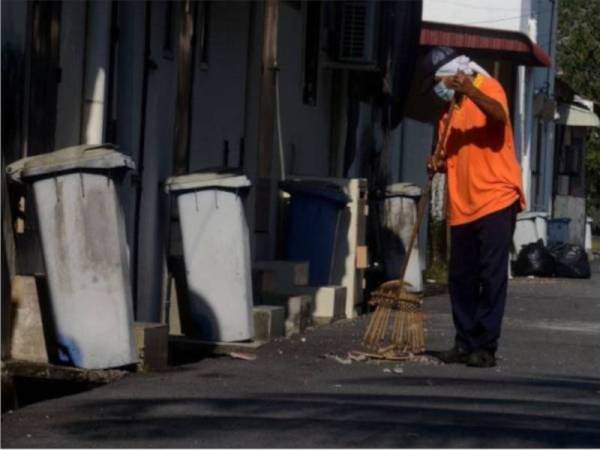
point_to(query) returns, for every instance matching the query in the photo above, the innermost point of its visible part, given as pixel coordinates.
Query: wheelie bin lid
(98, 157)
(559, 220)
(403, 190)
(317, 188)
(528, 215)
(207, 180)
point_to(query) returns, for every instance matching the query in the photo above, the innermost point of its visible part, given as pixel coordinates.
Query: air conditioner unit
(358, 32)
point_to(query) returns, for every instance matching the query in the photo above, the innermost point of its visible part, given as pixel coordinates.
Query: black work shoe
(455, 355)
(481, 358)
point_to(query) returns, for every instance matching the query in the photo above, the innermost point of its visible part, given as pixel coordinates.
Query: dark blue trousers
(478, 277)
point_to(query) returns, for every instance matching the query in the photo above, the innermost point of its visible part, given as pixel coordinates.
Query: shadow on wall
(518, 412)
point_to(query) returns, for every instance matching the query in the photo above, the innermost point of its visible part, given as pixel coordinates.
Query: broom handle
(441, 143)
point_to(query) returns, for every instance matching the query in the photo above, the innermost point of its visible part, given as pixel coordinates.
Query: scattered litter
(387, 370)
(28, 436)
(386, 353)
(530, 277)
(337, 358)
(280, 351)
(354, 356)
(303, 339)
(244, 356)
(425, 359)
(337, 386)
(398, 370)
(429, 280)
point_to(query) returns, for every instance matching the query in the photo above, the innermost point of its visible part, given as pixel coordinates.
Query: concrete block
(275, 275)
(298, 310)
(174, 320)
(269, 322)
(28, 339)
(329, 302)
(152, 343)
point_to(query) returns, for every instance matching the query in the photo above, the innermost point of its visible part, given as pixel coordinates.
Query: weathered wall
(306, 129)
(128, 99)
(218, 101)
(158, 155)
(72, 48)
(14, 16)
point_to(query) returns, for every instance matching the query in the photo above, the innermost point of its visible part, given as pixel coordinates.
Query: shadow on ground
(517, 413)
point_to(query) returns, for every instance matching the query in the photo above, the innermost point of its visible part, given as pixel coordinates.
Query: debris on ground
(398, 370)
(357, 357)
(389, 354)
(243, 356)
(337, 358)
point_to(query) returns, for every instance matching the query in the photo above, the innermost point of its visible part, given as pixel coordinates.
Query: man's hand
(461, 83)
(435, 165)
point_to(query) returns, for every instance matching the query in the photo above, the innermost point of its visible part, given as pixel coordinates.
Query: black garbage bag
(570, 260)
(534, 259)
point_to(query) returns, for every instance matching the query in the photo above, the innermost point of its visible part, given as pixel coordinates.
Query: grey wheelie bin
(85, 252)
(216, 252)
(399, 215)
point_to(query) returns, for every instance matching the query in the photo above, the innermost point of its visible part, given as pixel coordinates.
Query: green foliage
(578, 45)
(578, 49)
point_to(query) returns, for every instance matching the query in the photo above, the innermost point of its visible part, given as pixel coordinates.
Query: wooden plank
(185, 74)
(362, 257)
(17, 368)
(266, 115)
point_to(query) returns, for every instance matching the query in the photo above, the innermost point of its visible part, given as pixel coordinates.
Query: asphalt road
(545, 392)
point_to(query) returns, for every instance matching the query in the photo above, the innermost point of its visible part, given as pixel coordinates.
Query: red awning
(485, 42)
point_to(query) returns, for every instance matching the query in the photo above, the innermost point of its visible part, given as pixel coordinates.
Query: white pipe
(279, 130)
(97, 56)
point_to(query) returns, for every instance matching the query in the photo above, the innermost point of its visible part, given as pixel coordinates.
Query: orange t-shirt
(484, 175)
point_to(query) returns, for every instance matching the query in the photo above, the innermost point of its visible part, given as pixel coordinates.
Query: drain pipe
(278, 123)
(97, 59)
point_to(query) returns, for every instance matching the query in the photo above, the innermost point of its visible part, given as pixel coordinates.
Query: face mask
(443, 92)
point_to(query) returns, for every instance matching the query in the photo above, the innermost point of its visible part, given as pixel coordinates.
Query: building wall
(218, 102)
(127, 98)
(72, 48)
(158, 155)
(14, 19)
(306, 129)
(506, 15)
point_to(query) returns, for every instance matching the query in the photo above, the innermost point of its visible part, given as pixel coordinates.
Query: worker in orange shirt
(484, 196)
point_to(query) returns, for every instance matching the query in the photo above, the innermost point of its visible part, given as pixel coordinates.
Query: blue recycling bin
(558, 229)
(313, 216)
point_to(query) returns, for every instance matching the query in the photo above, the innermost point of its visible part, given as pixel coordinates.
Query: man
(485, 194)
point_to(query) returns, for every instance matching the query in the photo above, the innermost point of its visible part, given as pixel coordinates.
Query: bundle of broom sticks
(398, 322)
